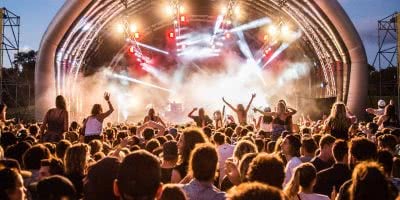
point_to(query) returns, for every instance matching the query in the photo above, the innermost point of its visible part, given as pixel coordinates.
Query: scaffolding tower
(9, 30)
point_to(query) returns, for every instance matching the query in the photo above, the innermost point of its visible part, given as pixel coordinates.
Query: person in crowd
(338, 123)
(52, 166)
(55, 122)
(379, 111)
(98, 184)
(264, 122)
(389, 118)
(302, 183)
(218, 119)
(240, 111)
(308, 148)
(11, 185)
(370, 183)
(202, 119)
(203, 167)
(169, 160)
(151, 116)
(172, 192)
(291, 150)
(325, 158)
(186, 143)
(31, 161)
(282, 119)
(385, 158)
(329, 179)
(255, 191)
(264, 164)
(61, 148)
(138, 177)
(224, 150)
(76, 163)
(93, 125)
(55, 187)
(361, 149)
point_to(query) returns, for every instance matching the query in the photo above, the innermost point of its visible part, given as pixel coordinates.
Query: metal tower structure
(387, 55)
(10, 32)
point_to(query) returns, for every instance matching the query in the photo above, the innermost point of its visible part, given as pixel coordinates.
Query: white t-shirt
(289, 169)
(225, 151)
(313, 196)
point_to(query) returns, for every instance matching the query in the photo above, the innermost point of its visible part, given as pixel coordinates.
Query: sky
(37, 14)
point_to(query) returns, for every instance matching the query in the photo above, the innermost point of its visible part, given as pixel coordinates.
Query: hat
(381, 103)
(170, 150)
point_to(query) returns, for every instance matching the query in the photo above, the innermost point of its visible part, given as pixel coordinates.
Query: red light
(183, 18)
(131, 49)
(137, 35)
(171, 34)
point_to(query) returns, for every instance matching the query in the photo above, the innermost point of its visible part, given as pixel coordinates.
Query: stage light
(182, 9)
(237, 10)
(183, 18)
(285, 29)
(175, 22)
(136, 35)
(272, 30)
(171, 34)
(120, 28)
(265, 37)
(228, 22)
(133, 28)
(131, 49)
(224, 10)
(227, 35)
(169, 10)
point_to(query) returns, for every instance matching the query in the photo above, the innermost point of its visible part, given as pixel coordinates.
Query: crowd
(272, 157)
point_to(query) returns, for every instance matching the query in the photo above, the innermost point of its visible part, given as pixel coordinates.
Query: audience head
(172, 192)
(187, 142)
(55, 187)
(52, 166)
(100, 179)
(203, 162)
(96, 109)
(60, 102)
(264, 164)
(34, 155)
(62, 147)
(291, 146)
(361, 149)
(139, 176)
(170, 151)
(325, 145)
(76, 158)
(369, 182)
(243, 147)
(255, 191)
(305, 176)
(340, 151)
(387, 142)
(11, 185)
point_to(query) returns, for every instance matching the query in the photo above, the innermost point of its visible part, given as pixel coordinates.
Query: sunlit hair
(75, 159)
(191, 137)
(369, 182)
(303, 177)
(338, 118)
(240, 107)
(151, 112)
(281, 107)
(96, 109)
(60, 102)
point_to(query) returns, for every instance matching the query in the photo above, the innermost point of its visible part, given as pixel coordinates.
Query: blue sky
(37, 14)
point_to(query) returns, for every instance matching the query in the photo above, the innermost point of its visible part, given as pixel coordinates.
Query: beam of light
(122, 77)
(152, 48)
(218, 23)
(155, 72)
(251, 25)
(199, 38)
(198, 52)
(243, 46)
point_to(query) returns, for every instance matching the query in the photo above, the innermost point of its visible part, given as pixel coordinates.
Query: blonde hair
(75, 159)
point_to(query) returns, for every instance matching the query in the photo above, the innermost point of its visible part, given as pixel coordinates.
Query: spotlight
(237, 10)
(227, 35)
(272, 30)
(171, 34)
(183, 18)
(120, 28)
(133, 28)
(285, 29)
(175, 22)
(136, 35)
(229, 22)
(182, 9)
(169, 10)
(224, 10)
(131, 49)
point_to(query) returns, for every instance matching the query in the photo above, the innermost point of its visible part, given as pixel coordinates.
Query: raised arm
(102, 116)
(251, 101)
(228, 104)
(44, 124)
(271, 114)
(66, 121)
(190, 115)
(161, 121)
(291, 111)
